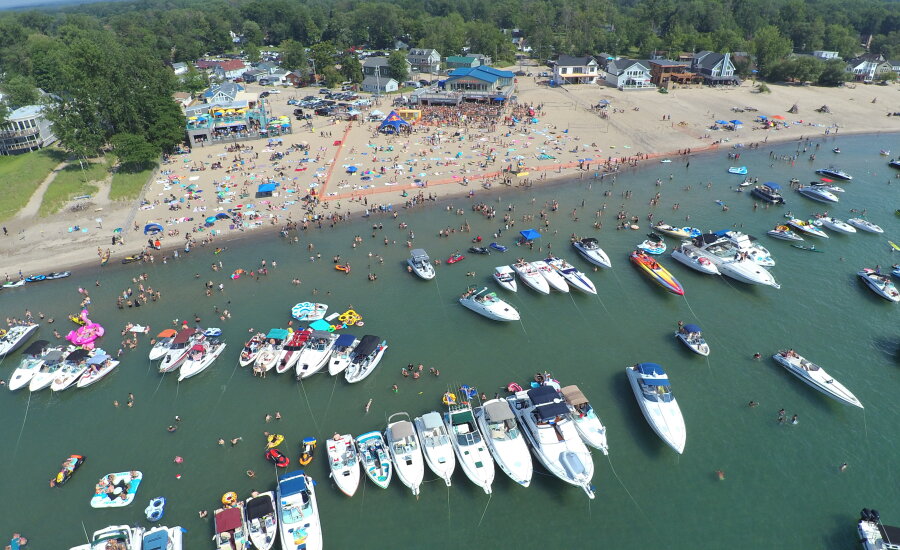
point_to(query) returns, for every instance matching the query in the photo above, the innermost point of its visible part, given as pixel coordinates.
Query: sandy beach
(445, 157)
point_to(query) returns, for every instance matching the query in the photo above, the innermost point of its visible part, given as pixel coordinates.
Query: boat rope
(312, 414)
(160, 382)
(449, 516)
(574, 303)
(22, 429)
(623, 292)
(333, 386)
(613, 470)
(690, 308)
(490, 496)
(86, 537)
(599, 299)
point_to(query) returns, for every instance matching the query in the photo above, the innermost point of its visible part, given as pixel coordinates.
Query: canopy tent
(265, 189)
(529, 234)
(152, 229)
(392, 123)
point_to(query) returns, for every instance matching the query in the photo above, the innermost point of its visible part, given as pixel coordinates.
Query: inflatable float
(277, 458)
(309, 449)
(85, 335)
(229, 498)
(455, 258)
(68, 468)
(342, 267)
(309, 311)
(116, 490)
(155, 510)
(449, 398)
(274, 440)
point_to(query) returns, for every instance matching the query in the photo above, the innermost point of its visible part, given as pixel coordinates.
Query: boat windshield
(466, 434)
(656, 392)
(504, 430)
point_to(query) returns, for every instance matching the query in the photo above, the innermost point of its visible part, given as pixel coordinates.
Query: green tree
(323, 55)
(397, 66)
(251, 33)
(134, 152)
(293, 56)
(252, 52)
(834, 73)
(351, 69)
(193, 81)
(769, 46)
(20, 91)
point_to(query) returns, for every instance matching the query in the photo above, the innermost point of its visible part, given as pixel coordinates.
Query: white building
(576, 70)
(26, 129)
(380, 85)
(825, 55)
(628, 74)
(424, 60)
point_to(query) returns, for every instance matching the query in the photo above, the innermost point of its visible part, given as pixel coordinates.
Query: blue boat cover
(97, 359)
(156, 541)
(278, 334)
(344, 340)
(650, 369)
(692, 328)
(548, 403)
(292, 483)
(656, 381)
(773, 185)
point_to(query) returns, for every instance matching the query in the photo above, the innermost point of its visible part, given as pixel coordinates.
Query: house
(895, 66)
(222, 93)
(665, 72)
(379, 84)
(294, 78)
(276, 78)
(25, 129)
(869, 67)
(183, 99)
(378, 66)
(253, 75)
(825, 55)
(481, 82)
(460, 62)
(424, 60)
(267, 67)
(179, 68)
(576, 70)
(629, 74)
(232, 68)
(715, 68)
(482, 59)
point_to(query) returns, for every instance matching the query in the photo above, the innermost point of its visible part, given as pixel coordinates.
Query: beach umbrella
(604, 102)
(152, 229)
(221, 216)
(529, 234)
(778, 117)
(352, 169)
(736, 122)
(211, 219)
(117, 230)
(721, 122)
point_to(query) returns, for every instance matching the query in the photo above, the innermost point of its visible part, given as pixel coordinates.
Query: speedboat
(677, 232)
(373, 455)
(531, 276)
(692, 337)
(114, 536)
(479, 250)
(420, 264)
(654, 396)
(270, 353)
(654, 244)
(292, 350)
(299, 523)
(201, 356)
(262, 520)
(344, 463)
(44, 376)
(784, 233)
(881, 285)
(14, 337)
(768, 192)
(316, 353)
(695, 261)
(471, 451)
(817, 194)
(251, 349)
(340, 354)
(656, 272)
(488, 305)
(827, 185)
(436, 445)
(590, 250)
(505, 440)
(807, 227)
(74, 365)
(730, 261)
(749, 245)
(166, 538)
(833, 172)
(875, 535)
(32, 359)
(894, 164)
(545, 420)
(588, 425)
(178, 349)
(574, 278)
(405, 450)
(896, 271)
(499, 247)
(739, 170)
(365, 358)
(865, 225)
(505, 277)
(834, 224)
(98, 366)
(554, 279)
(164, 340)
(813, 375)
(836, 150)
(230, 528)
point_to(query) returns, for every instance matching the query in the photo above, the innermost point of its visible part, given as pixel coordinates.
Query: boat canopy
(574, 396)
(367, 345)
(292, 483)
(344, 340)
(419, 255)
(78, 355)
(401, 430)
(228, 520)
(197, 347)
(432, 420)
(650, 369)
(772, 185)
(320, 334)
(258, 507)
(530, 234)
(158, 540)
(692, 328)
(36, 347)
(53, 355)
(706, 238)
(168, 333)
(498, 411)
(547, 403)
(589, 240)
(277, 334)
(184, 335)
(98, 359)
(655, 381)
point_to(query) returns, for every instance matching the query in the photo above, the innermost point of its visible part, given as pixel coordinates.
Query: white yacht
(98, 366)
(114, 536)
(881, 285)
(299, 521)
(505, 440)
(44, 376)
(729, 261)
(589, 427)
(816, 377)
(505, 277)
(590, 250)
(873, 534)
(554, 279)
(471, 451)
(200, 357)
(807, 227)
(163, 341)
(784, 233)
(865, 225)
(271, 352)
(164, 538)
(364, 358)
(290, 351)
(833, 172)
(405, 451)
(575, 278)
(489, 305)
(374, 457)
(436, 445)
(654, 396)
(748, 244)
(262, 520)
(694, 260)
(178, 350)
(420, 264)
(817, 193)
(344, 463)
(72, 368)
(692, 337)
(340, 355)
(32, 359)
(531, 277)
(15, 336)
(546, 422)
(834, 224)
(315, 353)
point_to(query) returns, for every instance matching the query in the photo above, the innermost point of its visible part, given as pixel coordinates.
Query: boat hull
(818, 379)
(665, 419)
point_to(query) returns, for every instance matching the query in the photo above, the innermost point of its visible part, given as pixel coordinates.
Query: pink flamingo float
(84, 336)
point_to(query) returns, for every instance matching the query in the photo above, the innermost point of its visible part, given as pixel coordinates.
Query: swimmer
(721, 475)
(171, 429)
(235, 441)
(277, 414)
(221, 441)
(251, 473)
(757, 355)
(843, 466)
(178, 460)
(752, 404)
(369, 404)
(268, 418)
(395, 388)
(115, 403)
(203, 514)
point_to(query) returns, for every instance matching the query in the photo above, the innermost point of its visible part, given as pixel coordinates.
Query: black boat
(479, 250)
(833, 172)
(768, 192)
(894, 164)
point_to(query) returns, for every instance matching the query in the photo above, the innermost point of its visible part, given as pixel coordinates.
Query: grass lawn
(72, 182)
(127, 186)
(20, 176)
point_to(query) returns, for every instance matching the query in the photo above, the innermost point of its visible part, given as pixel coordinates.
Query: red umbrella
(778, 117)
(826, 180)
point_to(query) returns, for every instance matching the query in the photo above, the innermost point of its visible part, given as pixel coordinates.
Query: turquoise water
(783, 487)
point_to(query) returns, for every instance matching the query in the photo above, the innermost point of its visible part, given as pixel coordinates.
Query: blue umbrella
(721, 122)
(221, 216)
(352, 169)
(152, 229)
(530, 234)
(211, 219)
(736, 122)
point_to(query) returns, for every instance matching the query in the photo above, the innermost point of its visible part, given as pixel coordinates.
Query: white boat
(299, 520)
(290, 351)
(32, 359)
(489, 305)
(315, 353)
(654, 396)
(74, 365)
(587, 423)
(230, 528)
(546, 422)
(505, 440)
(590, 250)
(340, 355)
(436, 445)
(505, 277)
(15, 336)
(364, 358)
(44, 376)
(262, 520)
(163, 538)
(270, 352)
(813, 375)
(200, 357)
(677, 232)
(114, 536)
(373, 456)
(729, 261)
(554, 279)
(873, 534)
(575, 278)
(784, 233)
(406, 451)
(695, 260)
(251, 349)
(98, 366)
(164, 340)
(471, 452)
(827, 186)
(807, 227)
(692, 337)
(865, 225)
(750, 246)
(834, 224)
(420, 264)
(654, 244)
(344, 463)
(531, 277)
(881, 285)
(178, 349)
(817, 193)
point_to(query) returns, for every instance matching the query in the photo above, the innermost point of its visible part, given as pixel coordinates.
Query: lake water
(783, 487)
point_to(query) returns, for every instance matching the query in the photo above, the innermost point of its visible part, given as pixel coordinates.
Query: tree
(323, 55)
(834, 73)
(769, 46)
(193, 81)
(351, 69)
(293, 56)
(251, 33)
(20, 91)
(397, 66)
(135, 153)
(252, 52)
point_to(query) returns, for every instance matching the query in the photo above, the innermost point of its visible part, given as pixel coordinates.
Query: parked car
(324, 111)
(324, 90)
(274, 91)
(264, 94)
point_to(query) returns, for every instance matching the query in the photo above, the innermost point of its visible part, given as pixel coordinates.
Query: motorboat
(574, 278)
(738, 170)
(836, 150)
(807, 227)
(436, 445)
(815, 376)
(299, 521)
(833, 172)
(784, 233)
(340, 354)
(165, 538)
(896, 271)
(505, 440)
(545, 420)
(730, 261)
(654, 395)
(749, 245)
(374, 457)
(587, 423)
(405, 451)
(316, 353)
(531, 276)
(865, 225)
(654, 244)
(455, 257)
(881, 285)
(875, 535)
(67, 470)
(677, 232)
(200, 357)
(251, 349)
(505, 277)
(499, 247)
(291, 350)
(270, 353)
(32, 359)
(489, 305)
(590, 250)
(14, 284)
(479, 250)
(178, 349)
(817, 193)
(554, 279)
(420, 264)
(74, 365)
(471, 452)
(692, 336)
(344, 463)
(694, 260)
(827, 185)
(262, 520)
(365, 358)
(894, 164)
(656, 272)
(163, 341)
(13, 338)
(114, 536)
(834, 224)
(768, 192)
(44, 376)
(98, 366)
